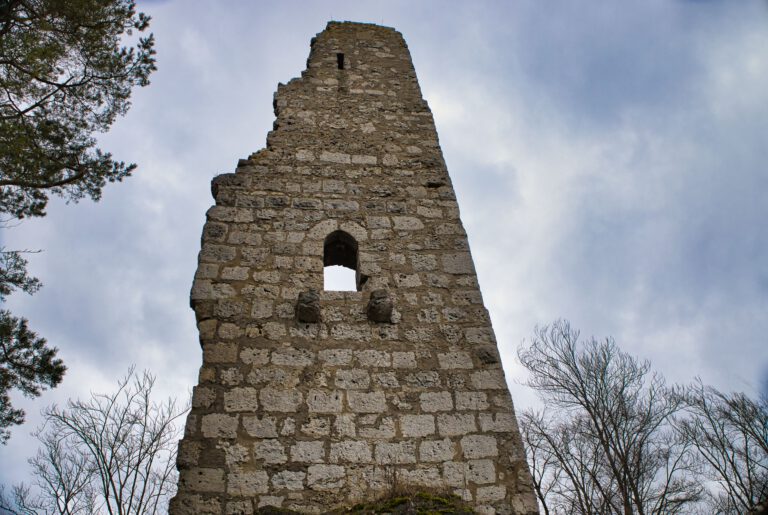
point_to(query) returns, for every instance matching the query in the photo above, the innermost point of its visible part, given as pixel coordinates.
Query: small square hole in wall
(339, 278)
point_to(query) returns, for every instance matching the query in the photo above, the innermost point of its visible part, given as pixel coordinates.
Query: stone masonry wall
(314, 415)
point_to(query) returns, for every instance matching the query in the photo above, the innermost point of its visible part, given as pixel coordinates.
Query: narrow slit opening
(340, 61)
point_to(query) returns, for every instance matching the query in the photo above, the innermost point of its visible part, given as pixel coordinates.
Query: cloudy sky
(610, 161)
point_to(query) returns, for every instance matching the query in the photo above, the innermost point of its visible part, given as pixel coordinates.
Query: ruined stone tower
(312, 399)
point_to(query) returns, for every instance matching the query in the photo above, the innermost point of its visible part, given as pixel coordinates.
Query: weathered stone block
(353, 379)
(479, 446)
(241, 399)
(320, 401)
(248, 483)
(326, 477)
(395, 453)
(219, 426)
(366, 402)
(437, 450)
(436, 401)
(416, 426)
(286, 401)
(288, 480)
(452, 360)
(260, 427)
(456, 424)
(203, 479)
(308, 452)
(350, 452)
(270, 451)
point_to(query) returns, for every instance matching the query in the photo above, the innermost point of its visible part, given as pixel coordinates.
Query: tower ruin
(309, 399)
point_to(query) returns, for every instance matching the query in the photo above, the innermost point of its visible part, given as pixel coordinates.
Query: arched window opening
(340, 262)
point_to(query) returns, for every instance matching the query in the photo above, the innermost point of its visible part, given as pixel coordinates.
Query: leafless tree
(607, 434)
(112, 453)
(730, 433)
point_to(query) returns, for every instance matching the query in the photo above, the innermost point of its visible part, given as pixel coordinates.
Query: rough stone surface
(310, 399)
(379, 306)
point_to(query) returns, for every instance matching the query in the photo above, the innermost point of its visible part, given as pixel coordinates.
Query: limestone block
(288, 480)
(336, 357)
(366, 402)
(498, 422)
(219, 425)
(235, 273)
(247, 483)
(184, 504)
(395, 453)
(479, 335)
(471, 401)
(203, 479)
(423, 476)
(344, 426)
(351, 332)
(385, 429)
(416, 426)
(407, 223)
(229, 331)
(373, 358)
(220, 353)
(437, 450)
(308, 452)
(241, 399)
(283, 377)
(407, 280)
(350, 451)
(423, 380)
(293, 357)
(217, 253)
(262, 309)
(251, 356)
(429, 212)
(363, 160)
(202, 397)
(274, 330)
(323, 229)
(286, 401)
(450, 424)
(479, 446)
(403, 360)
(271, 451)
(335, 157)
(353, 379)
(325, 477)
(320, 401)
(234, 453)
(305, 155)
(452, 360)
(474, 471)
(458, 263)
(386, 380)
(334, 186)
(378, 222)
(491, 493)
(489, 379)
(436, 401)
(317, 426)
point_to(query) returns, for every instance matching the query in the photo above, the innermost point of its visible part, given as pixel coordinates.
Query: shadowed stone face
(310, 399)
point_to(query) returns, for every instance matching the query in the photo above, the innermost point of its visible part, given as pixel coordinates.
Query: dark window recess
(340, 61)
(340, 250)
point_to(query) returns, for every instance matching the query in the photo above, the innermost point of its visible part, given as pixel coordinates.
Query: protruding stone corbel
(380, 306)
(308, 306)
